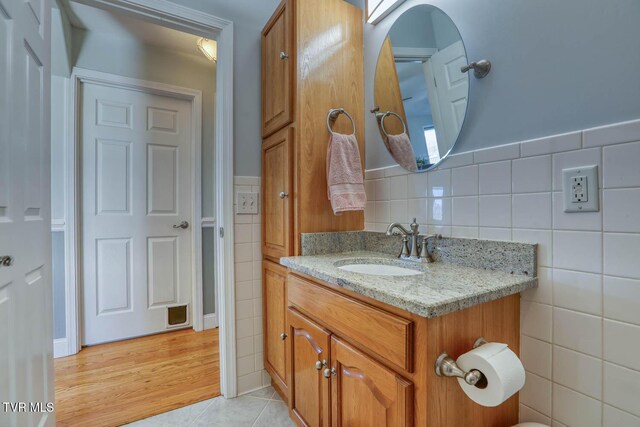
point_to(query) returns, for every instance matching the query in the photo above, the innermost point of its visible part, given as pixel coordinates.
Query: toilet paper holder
(446, 366)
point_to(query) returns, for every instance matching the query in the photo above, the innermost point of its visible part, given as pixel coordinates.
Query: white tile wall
(248, 273)
(581, 328)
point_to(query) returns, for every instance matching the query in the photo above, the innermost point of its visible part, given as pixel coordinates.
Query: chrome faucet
(418, 253)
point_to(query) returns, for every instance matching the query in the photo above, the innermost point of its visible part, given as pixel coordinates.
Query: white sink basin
(380, 270)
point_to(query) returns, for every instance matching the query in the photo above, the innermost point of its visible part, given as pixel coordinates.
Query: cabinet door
(308, 346)
(277, 70)
(365, 393)
(274, 299)
(276, 194)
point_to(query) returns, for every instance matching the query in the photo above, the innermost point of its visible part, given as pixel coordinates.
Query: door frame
(171, 15)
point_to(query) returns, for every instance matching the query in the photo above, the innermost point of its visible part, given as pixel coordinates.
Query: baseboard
(210, 321)
(60, 348)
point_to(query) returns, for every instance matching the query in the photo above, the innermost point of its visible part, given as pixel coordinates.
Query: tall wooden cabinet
(277, 191)
(277, 70)
(274, 308)
(312, 61)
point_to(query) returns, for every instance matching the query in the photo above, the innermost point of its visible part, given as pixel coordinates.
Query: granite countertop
(441, 288)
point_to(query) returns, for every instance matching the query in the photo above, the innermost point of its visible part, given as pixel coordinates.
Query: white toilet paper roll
(502, 369)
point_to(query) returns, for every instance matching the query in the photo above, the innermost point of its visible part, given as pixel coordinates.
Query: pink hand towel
(401, 150)
(345, 182)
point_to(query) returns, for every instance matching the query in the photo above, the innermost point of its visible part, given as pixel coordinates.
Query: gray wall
(61, 48)
(208, 272)
(248, 16)
(414, 30)
(57, 277)
(558, 66)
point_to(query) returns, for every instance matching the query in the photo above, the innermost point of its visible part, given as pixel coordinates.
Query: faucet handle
(404, 252)
(414, 226)
(424, 250)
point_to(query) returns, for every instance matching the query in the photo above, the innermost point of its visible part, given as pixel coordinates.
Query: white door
(451, 89)
(26, 338)
(136, 189)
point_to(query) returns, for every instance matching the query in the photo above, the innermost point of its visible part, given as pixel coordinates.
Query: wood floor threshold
(112, 384)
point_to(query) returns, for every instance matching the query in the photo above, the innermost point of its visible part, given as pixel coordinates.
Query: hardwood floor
(117, 383)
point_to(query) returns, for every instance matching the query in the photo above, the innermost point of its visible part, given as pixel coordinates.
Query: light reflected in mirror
(420, 93)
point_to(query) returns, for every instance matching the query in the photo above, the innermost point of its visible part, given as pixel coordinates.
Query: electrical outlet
(580, 187)
(247, 203)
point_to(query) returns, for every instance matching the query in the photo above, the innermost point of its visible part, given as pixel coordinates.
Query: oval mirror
(420, 93)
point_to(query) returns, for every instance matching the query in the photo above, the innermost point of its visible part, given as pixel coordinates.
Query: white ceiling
(123, 27)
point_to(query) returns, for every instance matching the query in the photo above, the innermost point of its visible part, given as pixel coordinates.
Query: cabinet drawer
(386, 335)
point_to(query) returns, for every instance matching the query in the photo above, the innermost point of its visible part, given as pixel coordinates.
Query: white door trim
(168, 14)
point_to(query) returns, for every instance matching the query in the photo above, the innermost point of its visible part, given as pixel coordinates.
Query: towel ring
(387, 114)
(333, 114)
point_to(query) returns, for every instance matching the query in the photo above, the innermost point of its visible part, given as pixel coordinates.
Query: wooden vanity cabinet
(333, 383)
(308, 348)
(274, 306)
(364, 392)
(369, 384)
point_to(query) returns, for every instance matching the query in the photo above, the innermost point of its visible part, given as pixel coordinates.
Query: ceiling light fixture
(209, 48)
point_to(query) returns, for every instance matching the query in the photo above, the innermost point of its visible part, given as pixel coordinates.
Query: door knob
(184, 225)
(283, 336)
(283, 56)
(321, 364)
(283, 195)
(6, 261)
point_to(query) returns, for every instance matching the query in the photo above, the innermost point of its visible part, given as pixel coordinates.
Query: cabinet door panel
(309, 389)
(277, 70)
(276, 194)
(365, 393)
(275, 313)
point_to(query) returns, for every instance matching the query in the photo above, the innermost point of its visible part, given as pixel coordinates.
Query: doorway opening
(135, 137)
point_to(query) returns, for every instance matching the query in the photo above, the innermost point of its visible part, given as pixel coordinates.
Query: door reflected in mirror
(421, 95)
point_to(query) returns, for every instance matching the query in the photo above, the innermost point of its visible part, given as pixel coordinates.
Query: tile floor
(261, 408)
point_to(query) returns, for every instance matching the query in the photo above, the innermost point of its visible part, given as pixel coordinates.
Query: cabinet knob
(321, 364)
(328, 372)
(283, 56)
(283, 195)
(283, 336)
(6, 261)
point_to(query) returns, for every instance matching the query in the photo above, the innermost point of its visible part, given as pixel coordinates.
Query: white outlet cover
(580, 189)
(247, 203)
